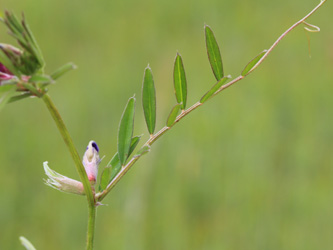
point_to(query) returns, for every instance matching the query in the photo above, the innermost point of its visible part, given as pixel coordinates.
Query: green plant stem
(79, 167)
(91, 228)
(70, 145)
(100, 196)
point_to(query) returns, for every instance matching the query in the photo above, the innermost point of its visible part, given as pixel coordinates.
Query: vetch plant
(22, 75)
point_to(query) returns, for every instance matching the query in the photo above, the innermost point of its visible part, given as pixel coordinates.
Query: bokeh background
(251, 169)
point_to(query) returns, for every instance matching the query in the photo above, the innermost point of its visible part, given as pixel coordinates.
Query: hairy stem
(79, 167)
(71, 148)
(91, 228)
(153, 138)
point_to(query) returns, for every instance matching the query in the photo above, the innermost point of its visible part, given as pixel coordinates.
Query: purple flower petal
(95, 146)
(3, 69)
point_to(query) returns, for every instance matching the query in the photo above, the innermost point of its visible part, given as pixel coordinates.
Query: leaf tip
(206, 26)
(148, 68)
(74, 66)
(132, 98)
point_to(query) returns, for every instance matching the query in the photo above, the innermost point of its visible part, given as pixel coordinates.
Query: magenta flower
(4, 70)
(5, 74)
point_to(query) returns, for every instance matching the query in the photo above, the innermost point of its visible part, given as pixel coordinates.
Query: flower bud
(5, 77)
(4, 70)
(61, 182)
(90, 161)
(10, 49)
(5, 74)
(13, 54)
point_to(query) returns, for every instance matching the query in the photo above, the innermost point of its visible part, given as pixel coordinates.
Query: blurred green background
(252, 169)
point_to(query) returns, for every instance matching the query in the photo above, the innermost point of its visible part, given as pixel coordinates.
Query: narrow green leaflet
(109, 172)
(135, 141)
(149, 99)
(41, 79)
(173, 115)
(6, 92)
(27, 244)
(180, 81)
(19, 97)
(144, 150)
(63, 70)
(250, 66)
(125, 131)
(105, 177)
(214, 54)
(114, 166)
(214, 89)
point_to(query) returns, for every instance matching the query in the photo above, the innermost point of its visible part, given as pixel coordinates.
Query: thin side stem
(285, 33)
(153, 138)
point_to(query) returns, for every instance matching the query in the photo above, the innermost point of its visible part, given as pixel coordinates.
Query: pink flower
(91, 161)
(63, 183)
(5, 74)
(3, 69)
